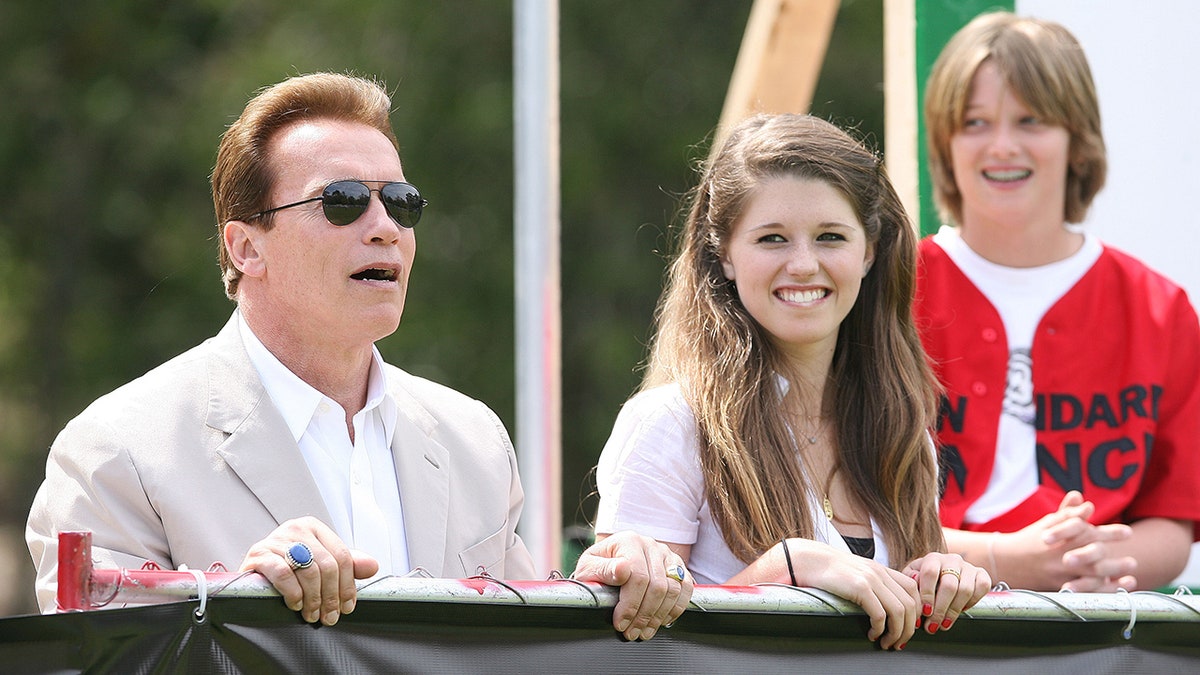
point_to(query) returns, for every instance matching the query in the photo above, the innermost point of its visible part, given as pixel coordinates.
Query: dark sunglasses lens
(345, 201)
(404, 203)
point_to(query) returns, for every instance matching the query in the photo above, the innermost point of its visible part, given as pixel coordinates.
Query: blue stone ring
(298, 556)
(677, 573)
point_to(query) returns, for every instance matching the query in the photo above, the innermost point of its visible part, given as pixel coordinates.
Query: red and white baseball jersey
(1116, 383)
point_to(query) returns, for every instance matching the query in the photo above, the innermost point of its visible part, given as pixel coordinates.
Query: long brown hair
(880, 391)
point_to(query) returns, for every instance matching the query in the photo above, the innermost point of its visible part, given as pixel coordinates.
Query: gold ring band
(946, 570)
(677, 573)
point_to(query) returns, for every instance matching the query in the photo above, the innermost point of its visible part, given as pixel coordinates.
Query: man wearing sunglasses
(285, 443)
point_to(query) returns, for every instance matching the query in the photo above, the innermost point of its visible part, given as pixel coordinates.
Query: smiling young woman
(781, 432)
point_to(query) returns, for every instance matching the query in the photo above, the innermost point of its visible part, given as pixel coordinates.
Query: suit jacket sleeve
(186, 465)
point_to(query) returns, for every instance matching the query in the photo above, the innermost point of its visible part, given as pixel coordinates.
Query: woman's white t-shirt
(650, 481)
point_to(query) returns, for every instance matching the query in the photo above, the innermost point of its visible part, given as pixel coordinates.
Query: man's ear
(242, 242)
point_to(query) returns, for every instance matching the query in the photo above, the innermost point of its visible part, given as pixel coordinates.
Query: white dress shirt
(357, 479)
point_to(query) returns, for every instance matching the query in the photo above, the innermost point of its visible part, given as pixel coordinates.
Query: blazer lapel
(259, 447)
(422, 472)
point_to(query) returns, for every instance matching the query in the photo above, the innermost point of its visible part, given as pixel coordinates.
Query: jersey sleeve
(1171, 488)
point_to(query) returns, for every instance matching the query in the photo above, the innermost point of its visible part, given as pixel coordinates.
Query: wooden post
(780, 59)
(901, 108)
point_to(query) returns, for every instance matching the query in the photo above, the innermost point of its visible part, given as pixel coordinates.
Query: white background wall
(1143, 57)
(1147, 71)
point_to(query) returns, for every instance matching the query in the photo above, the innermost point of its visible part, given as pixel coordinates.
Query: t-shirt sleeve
(649, 475)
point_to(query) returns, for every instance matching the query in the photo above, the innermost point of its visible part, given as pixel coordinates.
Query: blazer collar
(258, 446)
(260, 449)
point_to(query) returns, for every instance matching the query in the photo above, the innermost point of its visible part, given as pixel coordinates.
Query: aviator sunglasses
(344, 201)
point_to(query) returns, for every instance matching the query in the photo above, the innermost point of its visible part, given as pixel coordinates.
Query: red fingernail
(927, 609)
(932, 628)
(901, 647)
(919, 619)
(946, 623)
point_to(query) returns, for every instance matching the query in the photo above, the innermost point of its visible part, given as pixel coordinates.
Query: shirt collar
(297, 400)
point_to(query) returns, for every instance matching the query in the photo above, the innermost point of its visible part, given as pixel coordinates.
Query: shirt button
(989, 335)
(979, 389)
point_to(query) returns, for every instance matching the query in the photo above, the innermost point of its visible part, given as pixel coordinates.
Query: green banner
(936, 22)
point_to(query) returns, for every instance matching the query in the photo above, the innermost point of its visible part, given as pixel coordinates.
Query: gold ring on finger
(946, 570)
(677, 572)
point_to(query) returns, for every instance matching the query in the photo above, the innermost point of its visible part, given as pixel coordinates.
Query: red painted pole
(74, 571)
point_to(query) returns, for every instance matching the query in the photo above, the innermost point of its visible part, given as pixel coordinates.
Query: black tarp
(248, 635)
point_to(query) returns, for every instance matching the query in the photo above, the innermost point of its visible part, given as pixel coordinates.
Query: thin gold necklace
(829, 486)
(827, 505)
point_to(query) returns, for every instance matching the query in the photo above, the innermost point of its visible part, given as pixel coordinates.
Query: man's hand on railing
(311, 568)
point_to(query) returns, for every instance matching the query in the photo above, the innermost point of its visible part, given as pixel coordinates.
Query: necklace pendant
(828, 508)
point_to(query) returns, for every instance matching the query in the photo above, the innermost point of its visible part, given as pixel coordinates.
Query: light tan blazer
(192, 463)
